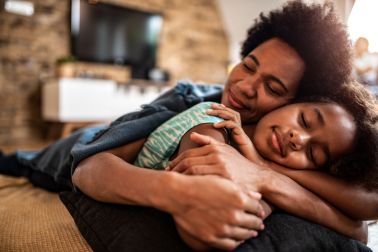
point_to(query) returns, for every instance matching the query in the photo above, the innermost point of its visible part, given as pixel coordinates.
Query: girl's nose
(298, 140)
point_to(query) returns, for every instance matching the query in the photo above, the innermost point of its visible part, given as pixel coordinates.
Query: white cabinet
(91, 100)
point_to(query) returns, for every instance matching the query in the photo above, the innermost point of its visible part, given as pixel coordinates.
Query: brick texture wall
(193, 45)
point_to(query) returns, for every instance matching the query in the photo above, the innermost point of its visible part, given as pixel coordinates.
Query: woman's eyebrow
(253, 57)
(272, 77)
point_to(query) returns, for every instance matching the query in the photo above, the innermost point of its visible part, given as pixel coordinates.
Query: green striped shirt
(163, 142)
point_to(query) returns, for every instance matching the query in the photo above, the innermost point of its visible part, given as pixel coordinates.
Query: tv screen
(112, 34)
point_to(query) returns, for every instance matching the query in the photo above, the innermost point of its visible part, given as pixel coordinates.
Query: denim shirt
(60, 159)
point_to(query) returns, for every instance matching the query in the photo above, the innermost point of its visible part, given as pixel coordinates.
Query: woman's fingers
(200, 151)
(196, 152)
(189, 166)
(201, 170)
(225, 243)
(252, 221)
(203, 139)
(253, 206)
(241, 234)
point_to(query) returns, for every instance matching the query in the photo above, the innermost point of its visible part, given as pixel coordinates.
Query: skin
(264, 80)
(283, 191)
(331, 126)
(360, 48)
(304, 136)
(218, 211)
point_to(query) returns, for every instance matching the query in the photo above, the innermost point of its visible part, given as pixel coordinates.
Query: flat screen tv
(106, 33)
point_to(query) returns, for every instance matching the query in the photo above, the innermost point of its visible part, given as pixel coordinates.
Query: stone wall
(193, 46)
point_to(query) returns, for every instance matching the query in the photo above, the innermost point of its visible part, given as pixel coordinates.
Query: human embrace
(315, 158)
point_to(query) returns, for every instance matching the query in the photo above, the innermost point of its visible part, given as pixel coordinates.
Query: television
(110, 34)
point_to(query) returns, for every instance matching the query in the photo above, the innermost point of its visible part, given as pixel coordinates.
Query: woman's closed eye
(271, 87)
(249, 67)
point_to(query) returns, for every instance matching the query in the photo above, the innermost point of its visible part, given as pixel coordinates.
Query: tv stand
(76, 102)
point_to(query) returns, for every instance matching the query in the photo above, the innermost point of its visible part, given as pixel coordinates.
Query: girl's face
(305, 135)
(264, 80)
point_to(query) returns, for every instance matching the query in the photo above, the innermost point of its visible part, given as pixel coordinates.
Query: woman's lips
(234, 102)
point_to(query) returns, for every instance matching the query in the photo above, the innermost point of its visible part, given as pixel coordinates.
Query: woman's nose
(249, 87)
(298, 140)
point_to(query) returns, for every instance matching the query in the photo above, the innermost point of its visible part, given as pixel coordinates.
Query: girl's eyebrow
(319, 116)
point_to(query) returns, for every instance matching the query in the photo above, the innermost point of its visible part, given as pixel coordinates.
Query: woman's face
(305, 135)
(264, 80)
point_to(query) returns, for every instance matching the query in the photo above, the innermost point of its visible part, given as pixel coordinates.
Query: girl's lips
(276, 142)
(236, 104)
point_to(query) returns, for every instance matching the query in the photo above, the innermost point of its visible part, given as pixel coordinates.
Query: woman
(306, 135)
(296, 51)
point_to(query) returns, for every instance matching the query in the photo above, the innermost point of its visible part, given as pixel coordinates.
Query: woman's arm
(283, 192)
(212, 209)
(287, 194)
(353, 200)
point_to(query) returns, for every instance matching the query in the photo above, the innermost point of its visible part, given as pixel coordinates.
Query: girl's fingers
(222, 114)
(223, 110)
(236, 129)
(226, 124)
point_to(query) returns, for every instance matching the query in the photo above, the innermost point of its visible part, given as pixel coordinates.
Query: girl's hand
(239, 137)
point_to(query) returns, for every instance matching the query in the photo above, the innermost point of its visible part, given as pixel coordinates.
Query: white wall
(239, 15)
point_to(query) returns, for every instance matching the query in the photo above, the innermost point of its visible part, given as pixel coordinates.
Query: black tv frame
(136, 73)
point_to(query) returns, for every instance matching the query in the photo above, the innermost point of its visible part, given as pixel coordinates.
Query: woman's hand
(216, 213)
(215, 158)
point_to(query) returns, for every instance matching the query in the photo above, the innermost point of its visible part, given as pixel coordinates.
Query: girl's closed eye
(303, 120)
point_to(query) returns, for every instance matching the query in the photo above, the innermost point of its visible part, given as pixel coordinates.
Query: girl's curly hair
(315, 32)
(361, 165)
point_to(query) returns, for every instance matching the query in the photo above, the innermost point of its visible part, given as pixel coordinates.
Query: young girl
(319, 133)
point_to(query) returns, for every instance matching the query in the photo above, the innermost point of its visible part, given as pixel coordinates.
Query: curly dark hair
(315, 32)
(361, 165)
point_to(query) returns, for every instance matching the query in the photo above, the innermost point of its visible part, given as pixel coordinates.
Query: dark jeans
(9, 165)
(112, 227)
